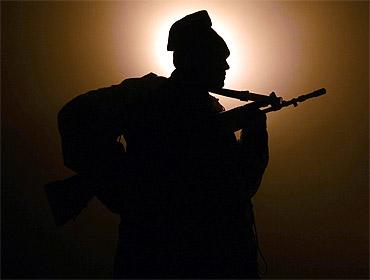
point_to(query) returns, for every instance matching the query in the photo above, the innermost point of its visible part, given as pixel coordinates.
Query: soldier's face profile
(213, 69)
(205, 66)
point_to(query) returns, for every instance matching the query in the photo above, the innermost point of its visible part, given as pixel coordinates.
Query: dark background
(312, 209)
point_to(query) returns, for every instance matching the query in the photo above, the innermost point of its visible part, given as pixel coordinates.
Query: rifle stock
(68, 197)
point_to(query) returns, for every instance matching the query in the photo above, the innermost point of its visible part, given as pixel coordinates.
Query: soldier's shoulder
(143, 89)
(149, 81)
(131, 91)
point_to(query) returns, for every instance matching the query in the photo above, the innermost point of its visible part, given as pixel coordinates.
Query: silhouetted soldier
(183, 184)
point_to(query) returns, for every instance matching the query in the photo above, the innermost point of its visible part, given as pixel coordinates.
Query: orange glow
(312, 209)
(253, 43)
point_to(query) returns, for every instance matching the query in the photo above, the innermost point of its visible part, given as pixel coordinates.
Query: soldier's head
(199, 53)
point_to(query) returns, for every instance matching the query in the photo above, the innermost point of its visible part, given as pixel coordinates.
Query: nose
(226, 65)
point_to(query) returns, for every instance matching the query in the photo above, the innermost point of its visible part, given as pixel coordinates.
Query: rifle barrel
(276, 103)
(296, 100)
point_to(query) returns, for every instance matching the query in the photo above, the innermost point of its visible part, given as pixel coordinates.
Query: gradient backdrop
(312, 207)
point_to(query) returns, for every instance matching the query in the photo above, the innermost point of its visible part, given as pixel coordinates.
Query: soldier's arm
(89, 126)
(254, 152)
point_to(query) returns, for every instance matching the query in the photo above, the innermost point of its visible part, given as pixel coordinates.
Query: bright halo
(235, 58)
(164, 57)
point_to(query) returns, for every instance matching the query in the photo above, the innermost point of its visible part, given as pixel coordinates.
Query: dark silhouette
(182, 183)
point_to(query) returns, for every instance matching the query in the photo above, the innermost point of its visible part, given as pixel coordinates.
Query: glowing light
(235, 59)
(164, 57)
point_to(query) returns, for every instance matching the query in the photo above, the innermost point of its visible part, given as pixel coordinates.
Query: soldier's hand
(255, 120)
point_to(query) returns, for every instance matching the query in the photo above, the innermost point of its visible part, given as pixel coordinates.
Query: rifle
(68, 197)
(234, 119)
(276, 103)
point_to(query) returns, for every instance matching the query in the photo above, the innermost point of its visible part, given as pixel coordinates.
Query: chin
(216, 85)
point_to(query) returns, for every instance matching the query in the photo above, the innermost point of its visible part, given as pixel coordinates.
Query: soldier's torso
(182, 204)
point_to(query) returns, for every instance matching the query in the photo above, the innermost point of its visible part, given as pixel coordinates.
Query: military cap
(194, 32)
